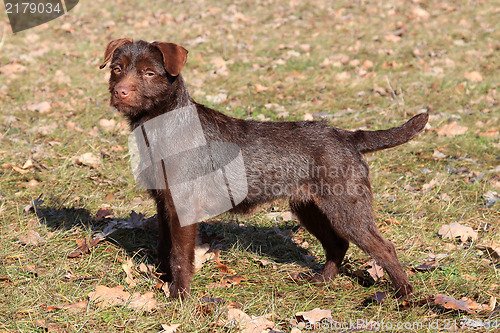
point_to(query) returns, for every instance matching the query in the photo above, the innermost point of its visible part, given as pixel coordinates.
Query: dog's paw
(178, 291)
(404, 292)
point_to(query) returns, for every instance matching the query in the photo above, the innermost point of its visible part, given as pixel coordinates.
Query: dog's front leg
(176, 246)
(183, 241)
(164, 239)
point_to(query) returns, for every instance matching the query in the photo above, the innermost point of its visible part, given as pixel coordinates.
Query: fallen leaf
(491, 133)
(437, 155)
(376, 271)
(145, 302)
(429, 186)
(73, 308)
(202, 254)
(308, 117)
(314, 316)
(449, 302)
(247, 324)
(378, 298)
(169, 328)
(146, 269)
(10, 69)
(84, 246)
(103, 213)
(491, 198)
(493, 250)
(452, 129)
(454, 230)
(473, 76)
(265, 263)
(105, 297)
(88, 159)
(31, 238)
(260, 88)
(42, 107)
(420, 13)
(216, 99)
(429, 266)
(44, 129)
(128, 267)
(224, 269)
(107, 125)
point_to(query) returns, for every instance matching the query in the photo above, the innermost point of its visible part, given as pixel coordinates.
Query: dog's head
(143, 74)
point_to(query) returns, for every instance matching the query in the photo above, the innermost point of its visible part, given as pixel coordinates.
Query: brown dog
(318, 168)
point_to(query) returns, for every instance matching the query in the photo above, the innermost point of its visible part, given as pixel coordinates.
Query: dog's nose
(122, 91)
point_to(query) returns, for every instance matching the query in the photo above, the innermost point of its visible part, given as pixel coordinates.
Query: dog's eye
(117, 70)
(149, 74)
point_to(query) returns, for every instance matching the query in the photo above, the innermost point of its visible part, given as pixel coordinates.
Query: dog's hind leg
(317, 223)
(356, 222)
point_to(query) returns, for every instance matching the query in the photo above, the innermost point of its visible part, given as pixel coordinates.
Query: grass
(281, 45)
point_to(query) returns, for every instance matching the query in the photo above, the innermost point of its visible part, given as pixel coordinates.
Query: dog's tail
(368, 141)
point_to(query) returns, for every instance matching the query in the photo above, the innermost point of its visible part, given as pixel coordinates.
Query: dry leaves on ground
(246, 323)
(312, 317)
(105, 297)
(464, 304)
(169, 328)
(452, 129)
(74, 308)
(88, 159)
(84, 246)
(456, 230)
(31, 238)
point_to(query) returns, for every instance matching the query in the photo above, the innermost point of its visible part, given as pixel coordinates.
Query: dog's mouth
(123, 104)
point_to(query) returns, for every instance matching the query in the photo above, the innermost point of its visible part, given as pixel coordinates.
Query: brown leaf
(449, 302)
(105, 297)
(202, 254)
(42, 107)
(169, 328)
(259, 87)
(31, 238)
(473, 76)
(493, 250)
(265, 263)
(247, 324)
(429, 266)
(456, 230)
(234, 280)
(74, 308)
(103, 213)
(84, 246)
(145, 302)
(452, 129)
(437, 155)
(420, 13)
(378, 298)
(223, 269)
(88, 159)
(376, 271)
(314, 316)
(128, 267)
(107, 125)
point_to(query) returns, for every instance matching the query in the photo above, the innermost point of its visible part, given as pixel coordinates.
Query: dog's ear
(110, 49)
(174, 57)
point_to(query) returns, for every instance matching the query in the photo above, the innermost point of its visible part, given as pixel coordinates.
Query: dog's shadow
(272, 242)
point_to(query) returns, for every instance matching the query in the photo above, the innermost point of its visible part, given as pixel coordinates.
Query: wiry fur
(318, 168)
